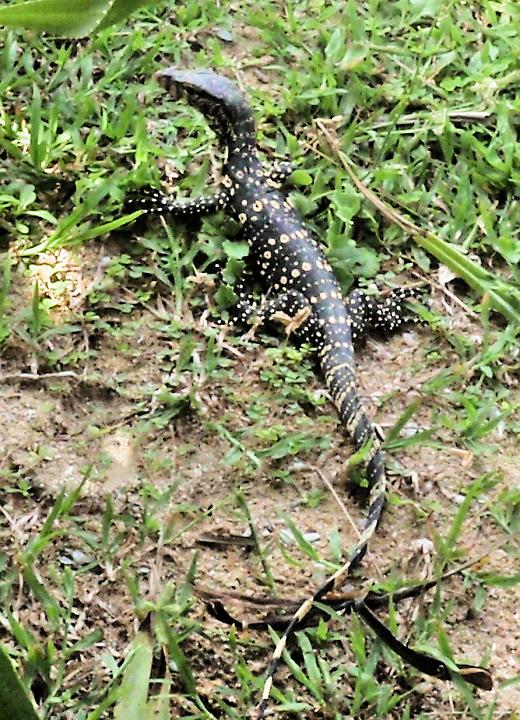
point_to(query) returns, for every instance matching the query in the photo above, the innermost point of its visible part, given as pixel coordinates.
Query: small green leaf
(424, 8)
(336, 46)
(235, 250)
(346, 204)
(301, 177)
(85, 642)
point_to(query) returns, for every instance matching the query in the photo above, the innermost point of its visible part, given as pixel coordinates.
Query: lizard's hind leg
(385, 315)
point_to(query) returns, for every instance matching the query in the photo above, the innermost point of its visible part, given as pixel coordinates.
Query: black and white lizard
(305, 296)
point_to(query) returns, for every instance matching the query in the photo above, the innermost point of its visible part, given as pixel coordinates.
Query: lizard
(304, 295)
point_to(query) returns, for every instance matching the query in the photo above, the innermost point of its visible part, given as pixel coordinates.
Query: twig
(389, 213)
(341, 506)
(36, 376)
(455, 116)
(451, 295)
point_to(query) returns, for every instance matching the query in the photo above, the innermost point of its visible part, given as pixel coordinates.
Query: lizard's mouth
(198, 84)
(205, 90)
(214, 95)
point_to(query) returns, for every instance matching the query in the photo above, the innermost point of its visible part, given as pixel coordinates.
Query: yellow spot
(283, 280)
(267, 254)
(242, 218)
(275, 204)
(271, 241)
(314, 299)
(306, 267)
(244, 202)
(257, 206)
(295, 273)
(332, 320)
(226, 181)
(323, 295)
(284, 238)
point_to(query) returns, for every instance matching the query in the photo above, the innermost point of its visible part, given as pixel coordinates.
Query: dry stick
(35, 376)
(451, 295)
(341, 505)
(389, 213)
(454, 115)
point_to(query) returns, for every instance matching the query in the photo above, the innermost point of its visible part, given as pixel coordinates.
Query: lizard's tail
(338, 368)
(219, 99)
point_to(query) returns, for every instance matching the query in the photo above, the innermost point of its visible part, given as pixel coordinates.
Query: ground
(141, 435)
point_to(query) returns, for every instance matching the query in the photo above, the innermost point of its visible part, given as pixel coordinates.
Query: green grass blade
(15, 702)
(75, 236)
(177, 655)
(158, 707)
(57, 17)
(5, 281)
(133, 691)
(36, 122)
(119, 10)
(501, 295)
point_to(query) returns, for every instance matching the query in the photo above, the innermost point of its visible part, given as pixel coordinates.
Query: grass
(401, 118)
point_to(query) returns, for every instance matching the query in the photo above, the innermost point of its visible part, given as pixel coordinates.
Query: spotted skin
(305, 296)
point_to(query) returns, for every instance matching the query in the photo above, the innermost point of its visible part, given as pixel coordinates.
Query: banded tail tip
(477, 676)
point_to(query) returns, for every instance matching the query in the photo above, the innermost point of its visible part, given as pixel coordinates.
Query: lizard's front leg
(153, 201)
(281, 172)
(290, 309)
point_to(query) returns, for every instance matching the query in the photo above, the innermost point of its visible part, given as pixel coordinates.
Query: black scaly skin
(305, 295)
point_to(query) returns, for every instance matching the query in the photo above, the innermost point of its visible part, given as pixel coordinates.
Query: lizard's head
(217, 97)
